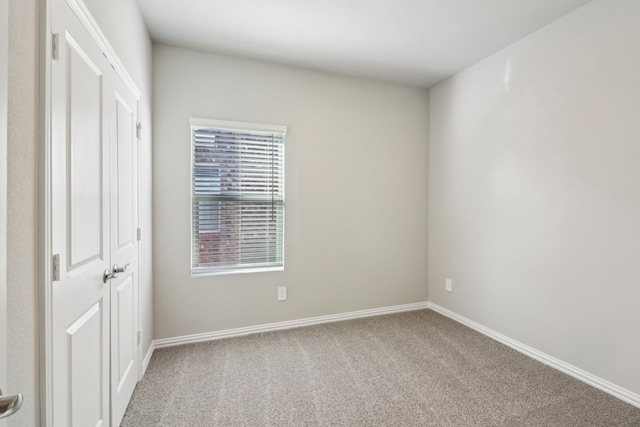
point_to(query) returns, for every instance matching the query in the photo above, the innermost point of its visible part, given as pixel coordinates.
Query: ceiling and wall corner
(416, 42)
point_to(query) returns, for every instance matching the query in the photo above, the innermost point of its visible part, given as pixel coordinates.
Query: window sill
(221, 271)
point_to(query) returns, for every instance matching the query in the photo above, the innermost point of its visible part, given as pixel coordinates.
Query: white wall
(4, 83)
(122, 24)
(534, 191)
(356, 192)
(22, 149)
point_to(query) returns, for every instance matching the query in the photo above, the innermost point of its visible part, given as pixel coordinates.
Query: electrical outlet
(448, 285)
(282, 293)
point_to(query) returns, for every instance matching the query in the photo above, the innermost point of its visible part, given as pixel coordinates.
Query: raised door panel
(85, 338)
(123, 363)
(84, 158)
(126, 193)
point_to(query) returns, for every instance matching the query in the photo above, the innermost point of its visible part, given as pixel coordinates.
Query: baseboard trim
(228, 333)
(147, 358)
(586, 377)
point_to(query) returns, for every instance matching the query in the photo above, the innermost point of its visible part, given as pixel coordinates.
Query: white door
(124, 248)
(94, 222)
(80, 226)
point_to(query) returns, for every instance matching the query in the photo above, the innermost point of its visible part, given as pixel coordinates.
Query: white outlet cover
(448, 285)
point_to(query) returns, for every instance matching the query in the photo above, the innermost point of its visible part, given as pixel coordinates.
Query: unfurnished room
(326, 213)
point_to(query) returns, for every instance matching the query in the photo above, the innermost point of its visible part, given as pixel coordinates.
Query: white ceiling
(418, 42)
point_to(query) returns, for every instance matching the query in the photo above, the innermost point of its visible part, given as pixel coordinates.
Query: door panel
(84, 336)
(84, 157)
(124, 249)
(126, 192)
(80, 226)
(125, 345)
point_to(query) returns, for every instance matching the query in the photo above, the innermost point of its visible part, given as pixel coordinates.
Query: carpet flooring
(409, 369)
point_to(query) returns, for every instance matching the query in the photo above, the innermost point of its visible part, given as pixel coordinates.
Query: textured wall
(534, 195)
(4, 82)
(22, 208)
(356, 192)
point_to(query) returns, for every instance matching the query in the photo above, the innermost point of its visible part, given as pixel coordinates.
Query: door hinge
(139, 234)
(54, 46)
(139, 337)
(56, 268)
(138, 130)
(108, 61)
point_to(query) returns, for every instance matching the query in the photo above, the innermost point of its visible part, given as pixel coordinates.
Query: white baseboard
(586, 377)
(228, 333)
(147, 358)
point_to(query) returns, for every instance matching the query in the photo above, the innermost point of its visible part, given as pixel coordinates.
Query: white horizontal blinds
(238, 199)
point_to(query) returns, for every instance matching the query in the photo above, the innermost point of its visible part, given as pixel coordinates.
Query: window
(237, 197)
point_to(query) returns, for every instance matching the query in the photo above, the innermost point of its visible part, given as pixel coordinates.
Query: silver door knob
(9, 405)
(108, 275)
(117, 269)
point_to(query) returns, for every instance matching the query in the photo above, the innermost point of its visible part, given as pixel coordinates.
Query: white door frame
(45, 196)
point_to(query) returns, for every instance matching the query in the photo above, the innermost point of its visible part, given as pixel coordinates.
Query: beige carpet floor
(410, 369)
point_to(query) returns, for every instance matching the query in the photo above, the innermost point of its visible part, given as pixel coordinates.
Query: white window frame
(198, 123)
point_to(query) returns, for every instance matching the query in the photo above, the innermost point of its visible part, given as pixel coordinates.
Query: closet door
(94, 212)
(81, 221)
(124, 247)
